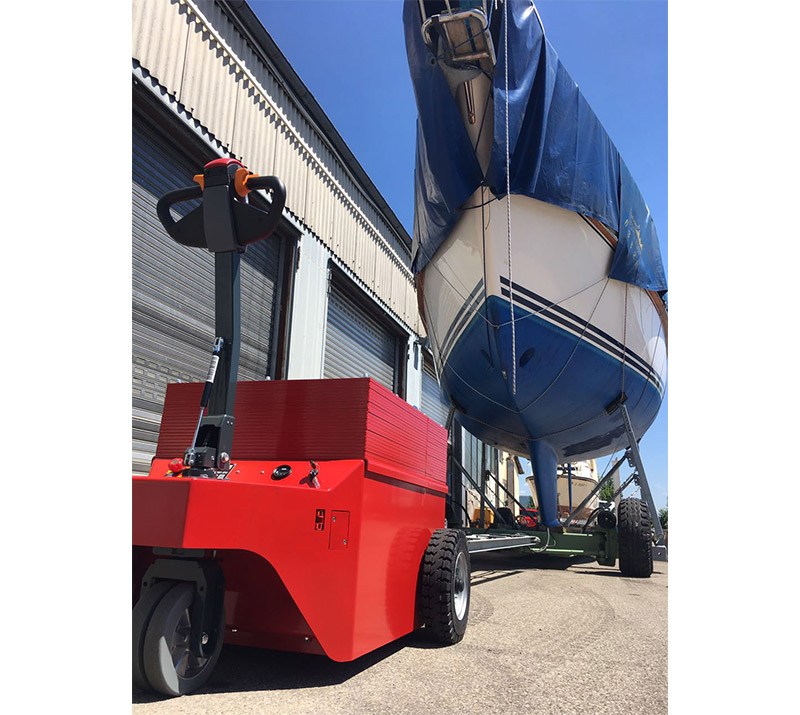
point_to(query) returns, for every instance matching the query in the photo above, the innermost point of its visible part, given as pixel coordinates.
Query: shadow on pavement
(499, 560)
(243, 669)
(493, 575)
(615, 573)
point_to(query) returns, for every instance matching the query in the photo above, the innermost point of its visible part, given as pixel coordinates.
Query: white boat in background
(576, 481)
(543, 313)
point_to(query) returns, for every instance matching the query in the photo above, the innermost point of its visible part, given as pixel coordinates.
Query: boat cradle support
(601, 544)
(639, 477)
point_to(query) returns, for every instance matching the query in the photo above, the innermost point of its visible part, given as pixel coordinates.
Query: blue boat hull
(565, 385)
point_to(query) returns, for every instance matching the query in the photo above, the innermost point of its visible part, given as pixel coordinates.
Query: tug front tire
(170, 666)
(444, 587)
(635, 538)
(142, 613)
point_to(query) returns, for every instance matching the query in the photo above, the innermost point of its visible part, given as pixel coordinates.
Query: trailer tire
(445, 587)
(169, 666)
(635, 540)
(142, 613)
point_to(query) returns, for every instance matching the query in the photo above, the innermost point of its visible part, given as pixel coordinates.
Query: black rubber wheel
(168, 664)
(635, 538)
(444, 586)
(142, 613)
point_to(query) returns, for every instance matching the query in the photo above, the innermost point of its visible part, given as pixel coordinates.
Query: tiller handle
(225, 224)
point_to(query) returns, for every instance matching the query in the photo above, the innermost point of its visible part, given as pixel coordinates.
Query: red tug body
(331, 569)
(316, 525)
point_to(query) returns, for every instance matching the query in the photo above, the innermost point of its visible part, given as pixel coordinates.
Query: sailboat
(538, 271)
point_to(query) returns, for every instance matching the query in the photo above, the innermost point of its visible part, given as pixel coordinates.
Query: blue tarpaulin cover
(559, 151)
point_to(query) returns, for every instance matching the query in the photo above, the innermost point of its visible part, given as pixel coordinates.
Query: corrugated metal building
(331, 294)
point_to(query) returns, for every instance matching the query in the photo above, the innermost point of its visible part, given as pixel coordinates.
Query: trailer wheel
(635, 542)
(445, 586)
(170, 667)
(142, 613)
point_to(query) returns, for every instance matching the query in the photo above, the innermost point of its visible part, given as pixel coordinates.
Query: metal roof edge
(246, 21)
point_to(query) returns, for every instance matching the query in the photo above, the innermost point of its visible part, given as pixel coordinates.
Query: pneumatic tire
(635, 538)
(444, 586)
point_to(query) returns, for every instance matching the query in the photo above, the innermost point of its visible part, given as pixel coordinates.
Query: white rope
(624, 340)
(508, 220)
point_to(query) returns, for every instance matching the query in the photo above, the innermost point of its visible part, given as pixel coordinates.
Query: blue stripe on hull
(564, 385)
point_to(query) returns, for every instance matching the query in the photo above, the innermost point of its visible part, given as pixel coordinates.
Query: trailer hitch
(225, 224)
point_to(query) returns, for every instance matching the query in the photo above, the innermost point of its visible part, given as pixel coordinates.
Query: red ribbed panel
(320, 420)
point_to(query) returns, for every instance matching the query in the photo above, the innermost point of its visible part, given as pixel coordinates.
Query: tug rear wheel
(445, 586)
(169, 664)
(635, 538)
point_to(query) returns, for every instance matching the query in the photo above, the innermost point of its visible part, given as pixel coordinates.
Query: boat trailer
(633, 535)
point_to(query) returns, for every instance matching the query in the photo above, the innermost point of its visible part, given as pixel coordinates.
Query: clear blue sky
(351, 55)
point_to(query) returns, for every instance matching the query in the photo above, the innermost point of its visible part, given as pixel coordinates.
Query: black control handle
(187, 193)
(278, 189)
(224, 221)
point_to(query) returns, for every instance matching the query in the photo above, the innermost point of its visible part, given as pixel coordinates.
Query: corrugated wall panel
(351, 193)
(159, 37)
(323, 155)
(330, 202)
(383, 271)
(313, 206)
(349, 239)
(359, 236)
(210, 83)
(374, 218)
(343, 239)
(291, 166)
(339, 221)
(255, 131)
(412, 311)
(367, 247)
(294, 119)
(319, 202)
(341, 217)
(399, 282)
(237, 44)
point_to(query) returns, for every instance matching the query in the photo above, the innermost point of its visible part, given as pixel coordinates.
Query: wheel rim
(185, 663)
(461, 586)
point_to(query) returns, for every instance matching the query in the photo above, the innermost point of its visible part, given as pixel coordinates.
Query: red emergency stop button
(176, 465)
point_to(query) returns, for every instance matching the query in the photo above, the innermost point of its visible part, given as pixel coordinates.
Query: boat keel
(544, 463)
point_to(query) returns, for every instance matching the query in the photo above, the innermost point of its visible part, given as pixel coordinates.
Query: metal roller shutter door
(356, 344)
(433, 401)
(173, 294)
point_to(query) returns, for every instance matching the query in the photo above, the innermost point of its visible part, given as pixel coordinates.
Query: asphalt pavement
(545, 635)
